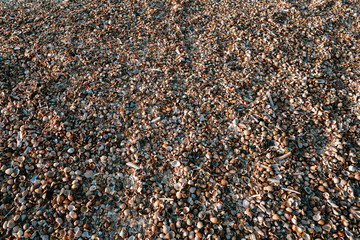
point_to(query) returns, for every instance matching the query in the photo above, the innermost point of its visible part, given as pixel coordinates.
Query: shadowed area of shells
(179, 119)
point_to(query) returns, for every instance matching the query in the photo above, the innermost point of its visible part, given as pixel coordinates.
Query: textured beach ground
(179, 119)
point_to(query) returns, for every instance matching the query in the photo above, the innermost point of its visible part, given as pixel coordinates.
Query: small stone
(199, 225)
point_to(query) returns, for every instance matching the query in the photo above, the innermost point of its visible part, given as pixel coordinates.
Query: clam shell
(175, 163)
(84, 209)
(316, 217)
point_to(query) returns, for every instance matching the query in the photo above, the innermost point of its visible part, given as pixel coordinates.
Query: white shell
(316, 217)
(133, 165)
(177, 186)
(71, 208)
(175, 163)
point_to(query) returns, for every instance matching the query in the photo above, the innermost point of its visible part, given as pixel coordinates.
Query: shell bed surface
(179, 119)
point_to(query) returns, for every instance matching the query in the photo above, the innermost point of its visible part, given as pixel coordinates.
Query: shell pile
(182, 119)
